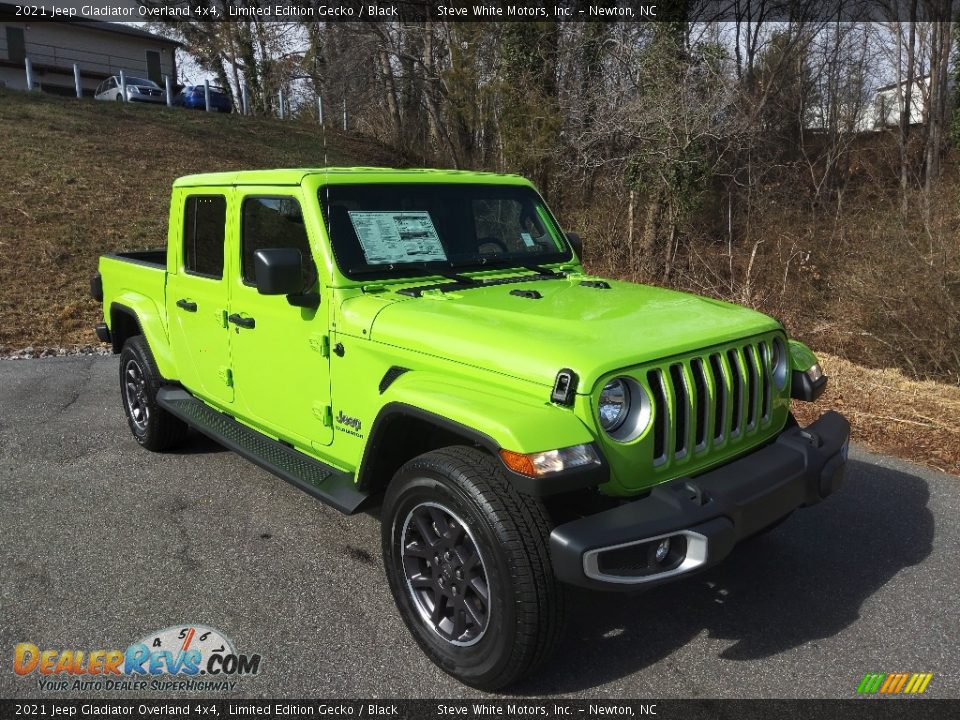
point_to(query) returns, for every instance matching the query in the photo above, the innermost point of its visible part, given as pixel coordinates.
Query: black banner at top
(486, 10)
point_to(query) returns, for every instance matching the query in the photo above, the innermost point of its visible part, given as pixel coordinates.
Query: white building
(887, 107)
(100, 49)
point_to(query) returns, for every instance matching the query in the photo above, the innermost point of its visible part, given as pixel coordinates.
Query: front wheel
(467, 560)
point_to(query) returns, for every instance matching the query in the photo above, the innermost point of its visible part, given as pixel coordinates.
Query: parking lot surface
(102, 542)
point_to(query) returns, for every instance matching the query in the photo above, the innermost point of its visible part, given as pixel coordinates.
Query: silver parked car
(138, 90)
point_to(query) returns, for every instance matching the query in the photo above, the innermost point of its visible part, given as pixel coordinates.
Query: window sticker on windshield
(527, 240)
(396, 236)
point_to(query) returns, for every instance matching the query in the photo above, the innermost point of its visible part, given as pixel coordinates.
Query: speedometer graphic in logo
(184, 638)
(188, 649)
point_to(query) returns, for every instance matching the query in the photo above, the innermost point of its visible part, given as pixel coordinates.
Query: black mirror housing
(576, 243)
(278, 271)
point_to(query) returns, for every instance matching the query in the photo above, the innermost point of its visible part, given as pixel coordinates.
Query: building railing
(94, 62)
(54, 61)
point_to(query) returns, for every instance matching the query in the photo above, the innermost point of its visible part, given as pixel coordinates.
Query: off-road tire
(156, 429)
(525, 615)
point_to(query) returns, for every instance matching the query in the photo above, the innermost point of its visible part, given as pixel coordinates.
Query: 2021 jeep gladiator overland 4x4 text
(430, 338)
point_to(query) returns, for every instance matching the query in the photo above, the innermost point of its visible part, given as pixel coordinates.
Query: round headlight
(624, 409)
(614, 404)
(778, 363)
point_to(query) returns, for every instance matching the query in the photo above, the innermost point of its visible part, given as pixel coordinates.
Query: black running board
(332, 486)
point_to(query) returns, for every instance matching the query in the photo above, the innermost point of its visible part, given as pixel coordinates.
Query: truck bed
(136, 281)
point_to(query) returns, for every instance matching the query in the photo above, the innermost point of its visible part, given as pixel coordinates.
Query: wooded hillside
(753, 159)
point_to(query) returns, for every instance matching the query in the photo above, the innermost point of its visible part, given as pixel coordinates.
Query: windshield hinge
(374, 288)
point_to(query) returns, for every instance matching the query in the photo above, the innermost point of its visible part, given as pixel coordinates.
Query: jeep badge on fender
(428, 339)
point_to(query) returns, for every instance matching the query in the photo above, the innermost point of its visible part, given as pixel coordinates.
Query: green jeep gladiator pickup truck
(429, 339)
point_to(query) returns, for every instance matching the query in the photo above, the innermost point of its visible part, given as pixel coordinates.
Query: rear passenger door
(197, 297)
(280, 352)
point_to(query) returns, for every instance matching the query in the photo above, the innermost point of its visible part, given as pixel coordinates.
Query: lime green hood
(590, 330)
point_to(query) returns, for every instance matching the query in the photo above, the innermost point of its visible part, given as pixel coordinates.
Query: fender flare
(521, 430)
(144, 313)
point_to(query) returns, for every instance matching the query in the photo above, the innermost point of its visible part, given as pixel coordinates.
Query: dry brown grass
(81, 178)
(889, 413)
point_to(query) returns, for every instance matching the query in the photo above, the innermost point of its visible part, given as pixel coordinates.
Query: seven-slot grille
(712, 399)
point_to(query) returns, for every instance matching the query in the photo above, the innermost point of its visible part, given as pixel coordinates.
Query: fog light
(663, 549)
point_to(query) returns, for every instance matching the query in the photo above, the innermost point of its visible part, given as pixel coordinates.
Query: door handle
(186, 305)
(244, 322)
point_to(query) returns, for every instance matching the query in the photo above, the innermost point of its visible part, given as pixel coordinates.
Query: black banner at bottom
(507, 709)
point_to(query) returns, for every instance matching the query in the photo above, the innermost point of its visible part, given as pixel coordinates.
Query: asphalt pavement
(102, 542)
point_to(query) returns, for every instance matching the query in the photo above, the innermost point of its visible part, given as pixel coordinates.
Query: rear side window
(204, 217)
(274, 222)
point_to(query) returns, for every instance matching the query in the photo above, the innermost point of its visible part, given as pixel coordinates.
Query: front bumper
(704, 517)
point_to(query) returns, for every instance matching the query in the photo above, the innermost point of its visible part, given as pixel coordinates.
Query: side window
(204, 217)
(274, 222)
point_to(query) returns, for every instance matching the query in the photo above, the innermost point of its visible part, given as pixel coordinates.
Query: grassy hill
(81, 178)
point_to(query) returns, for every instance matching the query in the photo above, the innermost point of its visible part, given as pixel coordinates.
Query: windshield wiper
(540, 270)
(387, 267)
(484, 262)
(461, 282)
(480, 262)
(458, 278)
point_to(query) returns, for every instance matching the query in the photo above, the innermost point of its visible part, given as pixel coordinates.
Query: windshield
(398, 229)
(141, 81)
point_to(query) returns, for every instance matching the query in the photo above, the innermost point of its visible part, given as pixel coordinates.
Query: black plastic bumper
(803, 388)
(704, 517)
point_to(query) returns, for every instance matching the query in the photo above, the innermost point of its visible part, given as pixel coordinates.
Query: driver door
(281, 365)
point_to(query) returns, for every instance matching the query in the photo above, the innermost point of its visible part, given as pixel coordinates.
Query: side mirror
(278, 271)
(576, 243)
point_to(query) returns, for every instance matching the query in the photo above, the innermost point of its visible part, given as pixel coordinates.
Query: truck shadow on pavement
(804, 581)
(198, 444)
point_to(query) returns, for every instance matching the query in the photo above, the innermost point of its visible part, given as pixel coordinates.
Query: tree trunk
(653, 234)
(906, 105)
(390, 93)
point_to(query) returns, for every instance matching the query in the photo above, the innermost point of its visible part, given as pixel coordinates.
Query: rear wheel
(467, 561)
(151, 425)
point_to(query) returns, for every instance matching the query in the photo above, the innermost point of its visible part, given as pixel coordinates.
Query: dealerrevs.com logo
(187, 658)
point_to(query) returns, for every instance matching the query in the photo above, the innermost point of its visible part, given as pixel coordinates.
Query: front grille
(708, 400)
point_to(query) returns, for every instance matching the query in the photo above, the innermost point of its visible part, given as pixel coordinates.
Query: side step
(334, 487)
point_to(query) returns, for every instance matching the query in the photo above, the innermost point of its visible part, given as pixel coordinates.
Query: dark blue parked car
(192, 97)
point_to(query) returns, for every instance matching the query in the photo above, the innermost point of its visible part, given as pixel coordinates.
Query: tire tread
(523, 523)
